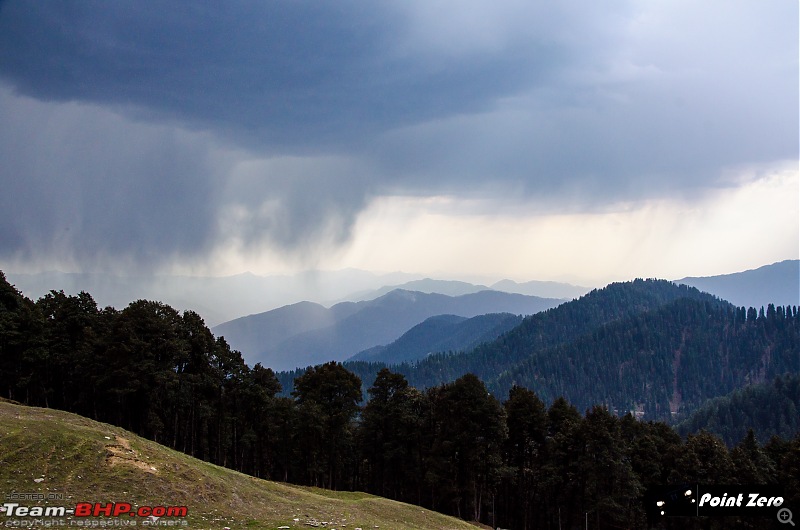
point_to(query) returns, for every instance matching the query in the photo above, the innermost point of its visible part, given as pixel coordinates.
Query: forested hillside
(647, 346)
(769, 409)
(508, 461)
(560, 325)
(666, 361)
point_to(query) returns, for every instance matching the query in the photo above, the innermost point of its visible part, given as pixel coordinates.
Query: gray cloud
(294, 203)
(84, 183)
(300, 75)
(160, 129)
(671, 100)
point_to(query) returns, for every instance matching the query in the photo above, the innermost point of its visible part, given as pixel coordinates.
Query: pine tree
(327, 397)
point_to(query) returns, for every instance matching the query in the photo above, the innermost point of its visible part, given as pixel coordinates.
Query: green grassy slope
(57, 453)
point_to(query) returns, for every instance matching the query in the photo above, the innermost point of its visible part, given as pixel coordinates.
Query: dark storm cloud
(302, 75)
(158, 129)
(307, 78)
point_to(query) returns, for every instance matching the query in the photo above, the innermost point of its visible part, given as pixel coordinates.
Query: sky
(575, 141)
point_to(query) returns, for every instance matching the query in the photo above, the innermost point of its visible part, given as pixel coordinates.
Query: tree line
(453, 447)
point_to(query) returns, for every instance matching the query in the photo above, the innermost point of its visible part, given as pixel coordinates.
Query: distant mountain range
(221, 299)
(216, 299)
(562, 291)
(303, 334)
(545, 289)
(370, 324)
(777, 284)
(425, 285)
(306, 334)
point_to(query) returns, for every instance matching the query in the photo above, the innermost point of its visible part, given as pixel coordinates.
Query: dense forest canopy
(773, 409)
(521, 460)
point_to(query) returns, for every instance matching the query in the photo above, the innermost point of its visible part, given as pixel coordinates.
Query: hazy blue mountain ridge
(427, 285)
(356, 326)
(217, 299)
(441, 333)
(778, 283)
(248, 333)
(541, 288)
